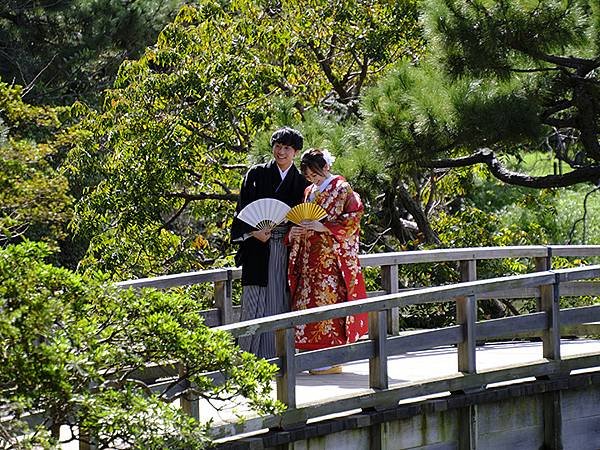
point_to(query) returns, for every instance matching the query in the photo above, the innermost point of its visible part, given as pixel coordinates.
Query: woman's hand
(314, 225)
(297, 232)
(261, 235)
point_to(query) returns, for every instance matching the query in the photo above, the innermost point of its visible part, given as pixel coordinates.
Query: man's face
(284, 155)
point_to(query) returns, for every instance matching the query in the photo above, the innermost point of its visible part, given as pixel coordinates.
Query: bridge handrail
(225, 312)
(433, 294)
(383, 259)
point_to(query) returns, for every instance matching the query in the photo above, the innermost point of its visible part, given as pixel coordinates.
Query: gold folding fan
(306, 211)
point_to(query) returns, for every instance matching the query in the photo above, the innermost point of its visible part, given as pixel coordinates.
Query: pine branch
(547, 69)
(177, 214)
(234, 148)
(582, 219)
(414, 208)
(363, 76)
(486, 156)
(557, 107)
(568, 122)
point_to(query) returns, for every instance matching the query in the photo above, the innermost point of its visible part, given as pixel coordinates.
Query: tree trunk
(418, 214)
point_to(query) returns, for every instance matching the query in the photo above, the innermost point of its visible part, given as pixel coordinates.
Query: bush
(70, 344)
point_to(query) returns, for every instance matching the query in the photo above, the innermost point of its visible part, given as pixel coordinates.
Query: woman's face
(314, 177)
(284, 155)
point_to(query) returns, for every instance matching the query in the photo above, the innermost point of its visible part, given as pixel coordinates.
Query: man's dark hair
(288, 136)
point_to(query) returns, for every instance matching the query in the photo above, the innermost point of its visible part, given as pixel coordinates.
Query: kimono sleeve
(248, 194)
(348, 222)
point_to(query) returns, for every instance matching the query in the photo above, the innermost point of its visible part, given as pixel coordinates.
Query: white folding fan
(265, 213)
(306, 211)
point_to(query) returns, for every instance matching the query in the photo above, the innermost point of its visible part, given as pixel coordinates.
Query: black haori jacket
(262, 181)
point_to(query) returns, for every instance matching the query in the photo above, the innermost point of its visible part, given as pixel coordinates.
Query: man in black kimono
(262, 254)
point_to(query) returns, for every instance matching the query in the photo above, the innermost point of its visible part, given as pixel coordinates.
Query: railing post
(552, 401)
(468, 270)
(378, 370)
(542, 264)
(286, 379)
(222, 298)
(190, 407)
(85, 440)
(389, 281)
(550, 304)
(466, 316)
(378, 373)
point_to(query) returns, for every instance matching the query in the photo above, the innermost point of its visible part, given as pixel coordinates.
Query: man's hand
(261, 235)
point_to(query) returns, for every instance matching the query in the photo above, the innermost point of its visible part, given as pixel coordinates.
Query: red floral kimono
(324, 269)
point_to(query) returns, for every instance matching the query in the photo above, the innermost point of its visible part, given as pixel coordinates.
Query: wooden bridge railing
(385, 341)
(545, 285)
(380, 345)
(225, 312)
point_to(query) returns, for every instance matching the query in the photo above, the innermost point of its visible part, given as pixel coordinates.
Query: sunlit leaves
(34, 200)
(157, 159)
(346, 44)
(490, 38)
(69, 343)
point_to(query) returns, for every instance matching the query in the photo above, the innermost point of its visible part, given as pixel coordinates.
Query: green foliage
(541, 52)
(490, 37)
(345, 45)
(143, 423)
(473, 227)
(409, 110)
(469, 227)
(548, 216)
(34, 198)
(63, 50)
(70, 345)
(155, 165)
(419, 113)
(499, 79)
(576, 210)
(176, 119)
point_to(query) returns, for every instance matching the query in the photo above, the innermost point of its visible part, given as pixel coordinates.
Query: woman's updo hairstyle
(313, 159)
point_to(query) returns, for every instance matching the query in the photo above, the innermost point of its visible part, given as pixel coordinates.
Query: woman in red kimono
(323, 265)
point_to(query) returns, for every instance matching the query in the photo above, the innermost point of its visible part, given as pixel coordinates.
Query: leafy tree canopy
(34, 198)
(160, 164)
(62, 50)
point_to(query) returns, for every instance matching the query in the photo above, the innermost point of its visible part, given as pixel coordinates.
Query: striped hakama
(263, 301)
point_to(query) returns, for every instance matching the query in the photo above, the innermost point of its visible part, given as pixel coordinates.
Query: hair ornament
(328, 157)
(326, 154)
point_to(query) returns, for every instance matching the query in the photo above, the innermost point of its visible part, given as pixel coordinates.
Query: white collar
(283, 173)
(320, 188)
(325, 183)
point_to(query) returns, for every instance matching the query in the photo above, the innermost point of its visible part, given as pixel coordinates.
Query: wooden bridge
(540, 394)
